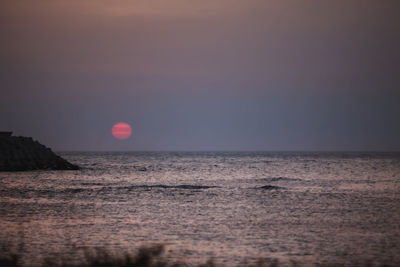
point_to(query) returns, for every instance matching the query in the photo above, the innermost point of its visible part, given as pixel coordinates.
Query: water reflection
(322, 208)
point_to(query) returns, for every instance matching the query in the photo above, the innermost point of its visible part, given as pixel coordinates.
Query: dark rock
(5, 134)
(25, 154)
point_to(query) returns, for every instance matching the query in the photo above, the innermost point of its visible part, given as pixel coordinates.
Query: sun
(121, 130)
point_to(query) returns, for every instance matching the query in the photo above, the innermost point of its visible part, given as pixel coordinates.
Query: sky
(202, 75)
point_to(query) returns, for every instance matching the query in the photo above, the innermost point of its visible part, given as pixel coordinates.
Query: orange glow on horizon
(121, 130)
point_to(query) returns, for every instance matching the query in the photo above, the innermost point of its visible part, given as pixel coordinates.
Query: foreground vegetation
(152, 256)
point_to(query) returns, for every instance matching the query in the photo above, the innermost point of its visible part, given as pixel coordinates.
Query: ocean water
(234, 207)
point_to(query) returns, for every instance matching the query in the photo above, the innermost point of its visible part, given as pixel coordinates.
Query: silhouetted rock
(5, 134)
(25, 154)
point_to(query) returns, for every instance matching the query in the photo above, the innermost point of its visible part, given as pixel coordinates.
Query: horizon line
(243, 151)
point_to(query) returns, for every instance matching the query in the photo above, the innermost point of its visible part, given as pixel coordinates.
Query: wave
(184, 186)
(270, 187)
(276, 179)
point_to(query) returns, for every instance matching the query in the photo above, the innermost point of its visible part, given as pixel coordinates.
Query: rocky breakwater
(25, 154)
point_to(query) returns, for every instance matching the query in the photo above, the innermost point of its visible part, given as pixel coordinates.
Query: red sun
(121, 130)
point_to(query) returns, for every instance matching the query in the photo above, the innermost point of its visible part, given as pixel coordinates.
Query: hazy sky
(202, 75)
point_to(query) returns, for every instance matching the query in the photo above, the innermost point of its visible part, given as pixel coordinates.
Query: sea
(234, 208)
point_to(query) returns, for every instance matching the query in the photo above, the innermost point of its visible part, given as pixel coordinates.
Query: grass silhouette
(148, 256)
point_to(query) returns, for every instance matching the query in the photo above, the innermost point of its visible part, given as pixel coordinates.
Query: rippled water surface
(327, 208)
